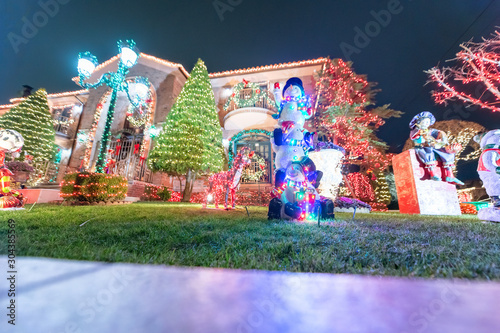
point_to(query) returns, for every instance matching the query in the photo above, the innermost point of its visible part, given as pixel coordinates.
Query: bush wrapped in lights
(87, 187)
(156, 193)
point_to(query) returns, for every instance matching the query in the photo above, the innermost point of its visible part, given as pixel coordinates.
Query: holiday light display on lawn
(296, 178)
(10, 142)
(228, 182)
(489, 172)
(431, 146)
(477, 67)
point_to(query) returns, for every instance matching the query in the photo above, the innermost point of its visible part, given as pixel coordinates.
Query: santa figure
(431, 146)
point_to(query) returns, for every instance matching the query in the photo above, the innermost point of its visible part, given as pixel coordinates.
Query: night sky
(419, 35)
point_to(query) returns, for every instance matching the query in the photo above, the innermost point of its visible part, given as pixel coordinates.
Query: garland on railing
(257, 93)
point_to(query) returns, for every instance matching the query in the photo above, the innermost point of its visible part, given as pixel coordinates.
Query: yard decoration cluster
(156, 193)
(88, 187)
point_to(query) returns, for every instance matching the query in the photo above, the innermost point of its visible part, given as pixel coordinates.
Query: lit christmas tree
(345, 114)
(32, 119)
(382, 191)
(191, 141)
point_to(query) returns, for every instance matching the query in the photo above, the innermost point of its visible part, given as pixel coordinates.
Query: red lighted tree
(477, 68)
(344, 112)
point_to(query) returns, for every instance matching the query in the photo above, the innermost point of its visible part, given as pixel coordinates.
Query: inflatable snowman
(489, 172)
(296, 178)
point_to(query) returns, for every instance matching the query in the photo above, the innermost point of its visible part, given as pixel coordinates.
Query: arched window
(261, 145)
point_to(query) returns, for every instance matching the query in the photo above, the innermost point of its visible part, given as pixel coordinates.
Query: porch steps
(136, 188)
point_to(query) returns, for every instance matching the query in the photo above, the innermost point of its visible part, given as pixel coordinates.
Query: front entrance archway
(260, 143)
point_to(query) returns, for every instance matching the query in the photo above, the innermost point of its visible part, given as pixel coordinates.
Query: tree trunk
(180, 184)
(188, 188)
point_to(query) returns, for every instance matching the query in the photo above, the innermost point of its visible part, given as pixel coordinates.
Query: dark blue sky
(419, 35)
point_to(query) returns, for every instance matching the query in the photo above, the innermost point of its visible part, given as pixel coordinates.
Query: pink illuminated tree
(477, 68)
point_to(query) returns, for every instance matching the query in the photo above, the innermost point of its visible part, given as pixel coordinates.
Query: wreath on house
(251, 173)
(256, 94)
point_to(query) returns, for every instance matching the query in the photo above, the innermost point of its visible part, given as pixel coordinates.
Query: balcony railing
(260, 103)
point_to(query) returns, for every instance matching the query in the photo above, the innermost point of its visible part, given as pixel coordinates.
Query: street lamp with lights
(87, 63)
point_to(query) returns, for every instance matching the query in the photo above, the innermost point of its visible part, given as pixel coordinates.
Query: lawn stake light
(87, 63)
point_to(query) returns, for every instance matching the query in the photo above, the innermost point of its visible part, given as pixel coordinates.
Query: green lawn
(186, 235)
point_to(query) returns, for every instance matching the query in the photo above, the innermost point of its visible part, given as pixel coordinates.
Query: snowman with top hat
(296, 178)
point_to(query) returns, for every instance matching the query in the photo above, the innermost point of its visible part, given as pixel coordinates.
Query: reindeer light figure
(228, 181)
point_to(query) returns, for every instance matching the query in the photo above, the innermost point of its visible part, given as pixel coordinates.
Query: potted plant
(20, 169)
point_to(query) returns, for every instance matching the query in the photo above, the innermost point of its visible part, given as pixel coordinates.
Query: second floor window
(63, 118)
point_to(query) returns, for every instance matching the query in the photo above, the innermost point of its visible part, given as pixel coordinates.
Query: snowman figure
(296, 178)
(489, 172)
(300, 196)
(289, 139)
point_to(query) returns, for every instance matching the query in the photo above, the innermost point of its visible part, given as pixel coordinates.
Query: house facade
(79, 117)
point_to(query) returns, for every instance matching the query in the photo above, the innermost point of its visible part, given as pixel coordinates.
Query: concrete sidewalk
(56, 296)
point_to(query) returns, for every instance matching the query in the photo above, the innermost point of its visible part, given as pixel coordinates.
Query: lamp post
(87, 63)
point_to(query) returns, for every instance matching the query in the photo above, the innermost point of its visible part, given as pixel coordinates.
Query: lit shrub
(93, 187)
(156, 193)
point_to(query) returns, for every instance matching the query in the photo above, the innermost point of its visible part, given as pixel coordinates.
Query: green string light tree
(32, 119)
(190, 143)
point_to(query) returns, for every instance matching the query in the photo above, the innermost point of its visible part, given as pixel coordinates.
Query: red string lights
(342, 100)
(477, 64)
(93, 187)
